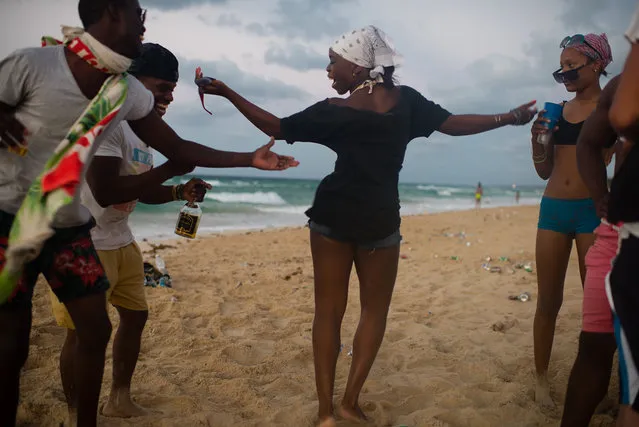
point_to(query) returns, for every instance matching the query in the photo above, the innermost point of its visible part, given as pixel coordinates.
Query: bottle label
(187, 225)
(19, 150)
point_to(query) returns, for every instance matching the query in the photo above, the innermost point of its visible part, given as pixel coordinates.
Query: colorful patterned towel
(58, 183)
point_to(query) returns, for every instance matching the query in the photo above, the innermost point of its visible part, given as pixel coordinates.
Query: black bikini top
(568, 133)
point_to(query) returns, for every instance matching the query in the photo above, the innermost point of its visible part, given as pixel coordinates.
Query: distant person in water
(516, 190)
(355, 216)
(479, 192)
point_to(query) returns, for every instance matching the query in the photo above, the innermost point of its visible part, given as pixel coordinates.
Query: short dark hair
(388, 77)
(91, 11)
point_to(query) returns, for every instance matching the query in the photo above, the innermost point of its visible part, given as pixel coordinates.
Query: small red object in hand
(199, 76)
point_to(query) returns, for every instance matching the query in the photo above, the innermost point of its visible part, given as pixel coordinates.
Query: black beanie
(155, 61)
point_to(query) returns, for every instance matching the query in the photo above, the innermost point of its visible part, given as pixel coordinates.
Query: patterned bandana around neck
(59, 182)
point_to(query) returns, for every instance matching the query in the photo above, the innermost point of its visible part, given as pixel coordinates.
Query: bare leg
(552, 255)
(126, 349)
(93, 330)
(332, 264)
(583, 242)
(377, 272)
(589, 379)
(627, 417)
(67, 374)
(15, 326)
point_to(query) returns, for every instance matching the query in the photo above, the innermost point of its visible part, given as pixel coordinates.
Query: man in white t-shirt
(121, 174)
(623, 281)
(44, 91)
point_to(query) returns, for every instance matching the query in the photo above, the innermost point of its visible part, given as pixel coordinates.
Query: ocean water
(257, 203)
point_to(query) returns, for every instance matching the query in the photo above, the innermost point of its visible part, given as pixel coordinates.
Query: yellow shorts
(124, 268)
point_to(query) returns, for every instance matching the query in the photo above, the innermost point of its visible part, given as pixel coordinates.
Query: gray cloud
(496, 82)
(310, 19)
(177, 4)
(223, 20)
(598, 16)
(257, 29)
(252, 86)
(229, 20)
(295, 56)
(194, 116)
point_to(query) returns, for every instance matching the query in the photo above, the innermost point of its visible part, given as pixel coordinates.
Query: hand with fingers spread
(265, 159)
(524, 113)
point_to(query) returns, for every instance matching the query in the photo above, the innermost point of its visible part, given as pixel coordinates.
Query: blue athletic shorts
(568, 216)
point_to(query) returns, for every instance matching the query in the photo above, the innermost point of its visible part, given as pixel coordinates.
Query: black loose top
(360, 199)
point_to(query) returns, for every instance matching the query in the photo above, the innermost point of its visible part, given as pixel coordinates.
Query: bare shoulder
(609, 90)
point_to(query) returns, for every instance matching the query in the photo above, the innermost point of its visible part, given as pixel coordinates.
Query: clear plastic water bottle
(165, 279)
(160, 264)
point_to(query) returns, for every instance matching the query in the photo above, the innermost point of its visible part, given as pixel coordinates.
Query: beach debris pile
(158, 275)
(507, 264)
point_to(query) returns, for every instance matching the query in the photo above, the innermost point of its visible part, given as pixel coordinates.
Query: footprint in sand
(442, 346)
(395, 335)
(249, 354)
(504, 325)
(398, 362)
(233, 332)
(229, 308)
(280, 323)
(196, 322)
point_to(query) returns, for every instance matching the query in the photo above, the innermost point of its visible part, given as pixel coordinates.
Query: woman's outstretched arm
(261, 119)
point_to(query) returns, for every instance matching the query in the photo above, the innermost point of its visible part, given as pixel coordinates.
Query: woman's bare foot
(352, 413)
(120, 405)
(542, 394)
(327, 422)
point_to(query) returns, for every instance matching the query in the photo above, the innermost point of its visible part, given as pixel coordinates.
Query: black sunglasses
(567, 76)
(576, 40)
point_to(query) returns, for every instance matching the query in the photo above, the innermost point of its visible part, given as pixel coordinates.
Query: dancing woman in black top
(355, 215)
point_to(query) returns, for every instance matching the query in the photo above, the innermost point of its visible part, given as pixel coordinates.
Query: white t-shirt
(112, 230)
(40, 83)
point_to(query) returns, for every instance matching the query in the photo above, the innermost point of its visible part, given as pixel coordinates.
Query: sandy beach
(230, 344)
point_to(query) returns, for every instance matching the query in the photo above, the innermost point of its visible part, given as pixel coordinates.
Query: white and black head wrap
(368, 47)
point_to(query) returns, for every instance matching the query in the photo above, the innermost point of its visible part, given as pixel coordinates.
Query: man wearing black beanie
(120, 175)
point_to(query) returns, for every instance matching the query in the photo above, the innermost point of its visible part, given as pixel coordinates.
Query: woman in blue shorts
(567, 212)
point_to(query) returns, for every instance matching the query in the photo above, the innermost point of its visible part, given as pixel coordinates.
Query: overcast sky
(469, 56)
